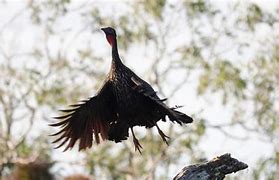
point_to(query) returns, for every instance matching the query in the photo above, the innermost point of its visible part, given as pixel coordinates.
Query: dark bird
(124, 101)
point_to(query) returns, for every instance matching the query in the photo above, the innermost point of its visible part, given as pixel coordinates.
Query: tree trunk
(215, 169)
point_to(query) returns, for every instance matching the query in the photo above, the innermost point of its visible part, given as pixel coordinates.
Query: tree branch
(217, 169)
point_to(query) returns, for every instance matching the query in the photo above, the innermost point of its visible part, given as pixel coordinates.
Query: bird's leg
(164, 137)
(136, 142)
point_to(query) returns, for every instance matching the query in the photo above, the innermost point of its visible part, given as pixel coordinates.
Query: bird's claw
(136, 142)
(163, 136)
(138, 147)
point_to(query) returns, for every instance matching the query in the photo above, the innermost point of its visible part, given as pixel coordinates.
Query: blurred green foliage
(222, 76)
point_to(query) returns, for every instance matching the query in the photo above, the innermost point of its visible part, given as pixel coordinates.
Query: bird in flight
(123, 102)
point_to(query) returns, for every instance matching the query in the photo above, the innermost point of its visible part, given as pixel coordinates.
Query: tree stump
(215, 169)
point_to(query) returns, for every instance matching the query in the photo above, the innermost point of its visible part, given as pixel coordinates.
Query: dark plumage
(124, 101)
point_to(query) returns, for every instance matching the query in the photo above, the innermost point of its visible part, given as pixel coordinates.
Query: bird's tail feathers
(179, 117)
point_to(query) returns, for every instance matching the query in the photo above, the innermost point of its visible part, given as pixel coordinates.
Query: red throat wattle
(110, 39)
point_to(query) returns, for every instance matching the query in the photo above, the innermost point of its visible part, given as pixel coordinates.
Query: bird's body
(124, 101)
(130, 104)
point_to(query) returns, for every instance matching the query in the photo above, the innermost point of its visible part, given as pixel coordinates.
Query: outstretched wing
(92, 117)
(150, 95)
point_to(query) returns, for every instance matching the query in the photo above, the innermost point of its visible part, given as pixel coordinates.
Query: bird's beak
(103, 29)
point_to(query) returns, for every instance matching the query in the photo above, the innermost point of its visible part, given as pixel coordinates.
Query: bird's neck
(115, 56)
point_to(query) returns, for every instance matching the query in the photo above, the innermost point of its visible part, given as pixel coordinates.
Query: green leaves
(154, 7)
(265, 84)
(222, 76)
(254, 15)
(196, 7)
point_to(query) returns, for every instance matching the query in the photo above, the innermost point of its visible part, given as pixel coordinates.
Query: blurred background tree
(219, 59)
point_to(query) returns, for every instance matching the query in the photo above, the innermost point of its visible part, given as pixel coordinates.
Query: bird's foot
(163, 136)
(136, 142)
(138, 147)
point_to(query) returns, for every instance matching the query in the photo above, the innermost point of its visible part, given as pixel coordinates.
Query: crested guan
(124, 101)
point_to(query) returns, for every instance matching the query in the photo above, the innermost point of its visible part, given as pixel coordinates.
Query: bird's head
(110, 35)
